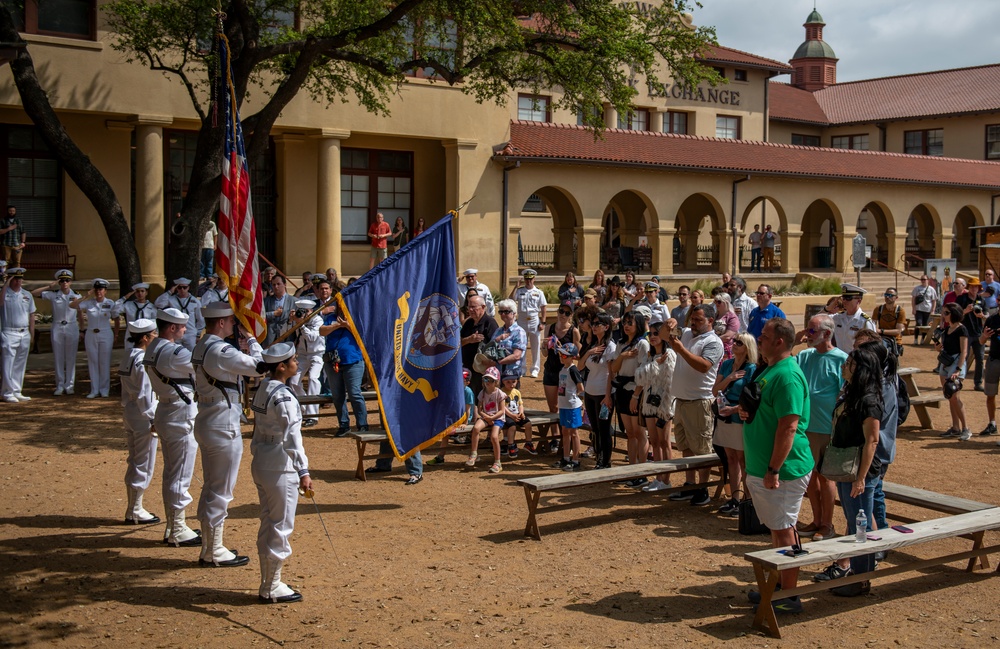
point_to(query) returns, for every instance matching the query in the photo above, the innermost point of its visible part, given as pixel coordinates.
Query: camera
(977, 309)
(301, 313)
(654, 400)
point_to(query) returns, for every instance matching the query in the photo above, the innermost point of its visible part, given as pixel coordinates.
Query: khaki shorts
(379, 253)
(817, 442)
(693, 425)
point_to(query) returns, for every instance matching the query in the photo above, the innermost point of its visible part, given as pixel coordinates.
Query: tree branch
(155, 63)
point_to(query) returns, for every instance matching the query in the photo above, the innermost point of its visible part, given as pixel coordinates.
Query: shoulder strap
(174, 383)
(262, 409)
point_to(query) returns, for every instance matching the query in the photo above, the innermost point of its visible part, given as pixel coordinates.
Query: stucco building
(668, 179)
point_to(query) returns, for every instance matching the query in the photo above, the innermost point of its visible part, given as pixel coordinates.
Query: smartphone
(902, 528)
(874, 537)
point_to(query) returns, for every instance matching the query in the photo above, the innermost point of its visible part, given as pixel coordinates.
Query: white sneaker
(21, 397)
(93, 395)
(534, 375)
(655, 485)
(58, 392)
(965, 436)
(69, 390)
(11, 399)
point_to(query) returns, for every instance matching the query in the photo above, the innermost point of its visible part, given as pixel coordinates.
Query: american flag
(236, 247)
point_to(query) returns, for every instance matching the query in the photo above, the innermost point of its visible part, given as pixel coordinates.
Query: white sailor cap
(182, 281)
(100, 282)
(64, 273)
(218, 309)
(851, 290)
(305, 304)
(141, 326)
(14, 273)
(3, 263)
(172, 315)
(528, 272)
(278, 352)
(470, 271)
(136, 287)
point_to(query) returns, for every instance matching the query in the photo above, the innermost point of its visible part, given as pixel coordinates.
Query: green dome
(814, 50)
(814, 18)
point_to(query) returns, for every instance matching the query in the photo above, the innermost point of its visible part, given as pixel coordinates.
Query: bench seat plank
(623, 472)
(931, 500)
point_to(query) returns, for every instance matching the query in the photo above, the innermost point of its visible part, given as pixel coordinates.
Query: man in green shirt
(778, 458)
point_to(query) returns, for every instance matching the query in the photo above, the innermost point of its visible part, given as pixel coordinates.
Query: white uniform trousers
(65, 344)
(15, 344)
(175, 425)
(279, 493)
(98, 346)
(141, 442)
(221, 445)
(306, 382)
(530, 326)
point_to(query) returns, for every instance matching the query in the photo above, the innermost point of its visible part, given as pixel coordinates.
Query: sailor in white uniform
(309, 348)
(279, 468)
(531, 304)
(172, 377)
(219, 369)
(852, 320)
(216, 291)
(179, 297)
(138, 410)
(135, 305)
(99, 311)
(471, 276)
(65, 329)
(18, 322)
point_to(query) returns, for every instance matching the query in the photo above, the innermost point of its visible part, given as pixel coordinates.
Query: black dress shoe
(195, 541)
(232, 563)
(287, 599)
(377, 469)
(153, 518)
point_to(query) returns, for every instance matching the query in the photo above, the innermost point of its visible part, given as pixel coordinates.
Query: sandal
(472, 460)
(496, 468)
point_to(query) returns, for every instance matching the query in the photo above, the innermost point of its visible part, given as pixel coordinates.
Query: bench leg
(359, 473)
(531, 527)
(984, 559)
(923, 416)
(765, 619)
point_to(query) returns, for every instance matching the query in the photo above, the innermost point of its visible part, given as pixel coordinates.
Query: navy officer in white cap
(309, 348)
(138, 410)
(852, 319)
(471, 277)
(219, 369)
(531, 305)
(65, 328)
(279, 468)
(18, 330)
(179, 297)
(135, 305)
(172, 377)
(100, 311)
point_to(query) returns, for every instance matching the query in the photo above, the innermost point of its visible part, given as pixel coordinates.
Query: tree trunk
(77, 165)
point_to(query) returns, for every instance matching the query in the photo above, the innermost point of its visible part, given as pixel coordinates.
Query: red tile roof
(721, 54)
(574, 144)
(927, 94)
(788, 103)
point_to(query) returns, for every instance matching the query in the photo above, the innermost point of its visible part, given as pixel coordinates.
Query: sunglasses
(561, 312)
(851, 298)
(738, 343)
(889, 295)
(683, 294)
(489, 379)
(502, 311)
(761, 293)
(64, 281)
(651, 290)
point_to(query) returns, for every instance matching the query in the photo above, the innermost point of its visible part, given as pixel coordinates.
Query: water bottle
(861, 527)
(605, 411)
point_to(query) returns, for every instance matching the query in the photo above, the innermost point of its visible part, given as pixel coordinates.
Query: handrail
(897, 271)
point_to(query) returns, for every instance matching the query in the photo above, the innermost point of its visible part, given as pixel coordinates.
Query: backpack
(902, 400)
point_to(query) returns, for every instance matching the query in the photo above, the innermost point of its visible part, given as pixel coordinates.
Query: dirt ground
(440, 564)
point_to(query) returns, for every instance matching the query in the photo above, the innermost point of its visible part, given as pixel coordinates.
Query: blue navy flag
(404, 315)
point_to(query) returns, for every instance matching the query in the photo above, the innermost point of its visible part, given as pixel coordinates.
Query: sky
(872, 38)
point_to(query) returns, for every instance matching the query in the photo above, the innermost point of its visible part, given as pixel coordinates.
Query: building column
(689, 245)
(896, 244)
(724, 239)
(656, 119)
(943, 243)
(662, 243)
(790, 252)
(610, 116)
(588, 249)
(563, 239)
(845, 247)
(329, 232)
(150, 226)
(457, 191)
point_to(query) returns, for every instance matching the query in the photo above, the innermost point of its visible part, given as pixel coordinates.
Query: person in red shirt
(379, 233)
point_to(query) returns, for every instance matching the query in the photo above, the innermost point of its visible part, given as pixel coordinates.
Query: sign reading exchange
(707, 96)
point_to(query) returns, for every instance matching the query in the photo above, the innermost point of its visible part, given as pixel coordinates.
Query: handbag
(840, 464)
(750, 399)
(945, 359)
(749, 524)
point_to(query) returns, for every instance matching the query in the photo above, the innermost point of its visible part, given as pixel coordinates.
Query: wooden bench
(919, 401)
(540, 419)
(929, 500)
(45, 255)
(768, 563)
(321, 399)
(534, 487)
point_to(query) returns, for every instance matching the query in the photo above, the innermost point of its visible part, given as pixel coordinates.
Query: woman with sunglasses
(655, 377)
(559, 333)
(633, 352)
(65, 329)
(727, 323)
(615, 304)
(952, 342)
(734, 373)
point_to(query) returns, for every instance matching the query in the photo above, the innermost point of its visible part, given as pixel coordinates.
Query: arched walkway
(625, 224)
(549, 218)
(965, 245)
(875, 223)
(921, 227)
(701, 230)
(761, 212)
(821, 222)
